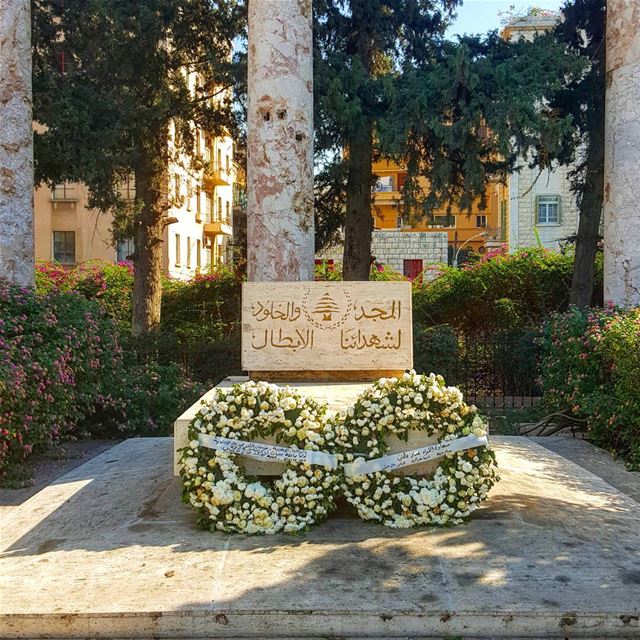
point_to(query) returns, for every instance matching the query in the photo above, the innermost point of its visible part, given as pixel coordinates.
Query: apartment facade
(542, 209)
(67, 231)
(480, 231)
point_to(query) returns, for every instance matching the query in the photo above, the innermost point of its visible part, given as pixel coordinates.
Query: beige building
(542, 208)
(68, 232)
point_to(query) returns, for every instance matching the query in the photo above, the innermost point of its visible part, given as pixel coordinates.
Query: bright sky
(480, 16)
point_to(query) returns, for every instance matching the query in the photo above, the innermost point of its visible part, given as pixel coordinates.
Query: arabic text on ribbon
(267, 452)
(361, 467)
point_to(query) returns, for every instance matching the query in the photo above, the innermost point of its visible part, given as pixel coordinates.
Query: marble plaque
(326, 326)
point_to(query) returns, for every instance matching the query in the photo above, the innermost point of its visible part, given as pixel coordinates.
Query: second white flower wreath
(399, 406)
(326, 456)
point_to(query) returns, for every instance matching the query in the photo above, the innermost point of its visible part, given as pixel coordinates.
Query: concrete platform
(108, 551)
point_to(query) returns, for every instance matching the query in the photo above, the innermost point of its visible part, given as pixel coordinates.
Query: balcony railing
(220, 227)
(216, 176)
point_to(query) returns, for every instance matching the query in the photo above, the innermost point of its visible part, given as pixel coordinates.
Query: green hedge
(591, 370)
(505, 292)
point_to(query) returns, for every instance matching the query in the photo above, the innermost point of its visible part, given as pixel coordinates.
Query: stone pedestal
(16, 144)
(622, 155)
(280, 230)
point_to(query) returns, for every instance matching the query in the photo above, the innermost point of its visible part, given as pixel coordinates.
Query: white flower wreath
(215, 483)
(398, 406)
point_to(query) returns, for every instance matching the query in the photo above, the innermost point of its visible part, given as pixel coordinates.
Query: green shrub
(144, 402)
(200, 326)
(378, 273)
(506, 291)
(435, 350)
(591, 370)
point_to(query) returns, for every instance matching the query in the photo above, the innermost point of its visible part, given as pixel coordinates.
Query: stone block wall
(524, 188)
(393, 247)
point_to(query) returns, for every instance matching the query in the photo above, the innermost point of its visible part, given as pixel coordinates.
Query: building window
(189, 194)
(227, 212)
(219, 159)
(445, 221)
(481, 222)
(177, 249)
(124, 250)
(218, 219)
(384, 184)
(64, 247)
(188, 252)
(198, 205)
(228, 164)
(177, 189)
(503, 220)
(64, 191)
(198, 254)
(63, 61)
(208, 208)
(128, 189)
(548, 210)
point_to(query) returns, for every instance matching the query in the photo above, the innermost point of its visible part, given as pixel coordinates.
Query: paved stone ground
(43, 469)
(109, 551)
(598, 461)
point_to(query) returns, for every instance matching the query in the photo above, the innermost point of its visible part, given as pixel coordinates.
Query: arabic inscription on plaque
(326, 326)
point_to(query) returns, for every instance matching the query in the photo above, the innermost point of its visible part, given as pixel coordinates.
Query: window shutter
(537, 211)
(559, 209)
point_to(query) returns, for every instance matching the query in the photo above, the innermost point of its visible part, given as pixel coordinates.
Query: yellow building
(69, 232)
(480, 231)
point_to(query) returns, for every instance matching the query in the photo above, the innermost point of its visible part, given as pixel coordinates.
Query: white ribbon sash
(361, 467)
(267, 452)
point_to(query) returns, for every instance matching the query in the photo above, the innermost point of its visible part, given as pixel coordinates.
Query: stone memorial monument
(295, 330)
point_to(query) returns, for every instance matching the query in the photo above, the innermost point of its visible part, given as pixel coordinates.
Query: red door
(412, 268)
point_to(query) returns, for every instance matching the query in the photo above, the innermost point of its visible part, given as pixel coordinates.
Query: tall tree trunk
(581, 293)
(17, 262)
(356, 263)
(591, 201)
(152, 183)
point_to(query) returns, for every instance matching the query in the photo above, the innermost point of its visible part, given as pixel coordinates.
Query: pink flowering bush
(110, 284)
(56, 350)
(63, 373)
(591, 370)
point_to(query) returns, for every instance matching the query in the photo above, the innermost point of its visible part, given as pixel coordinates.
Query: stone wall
(392, 247)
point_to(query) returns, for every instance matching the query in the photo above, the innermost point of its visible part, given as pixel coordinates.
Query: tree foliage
(457, 113)
(358, 47)
(469, 117)
(582, 31)
(110, 81)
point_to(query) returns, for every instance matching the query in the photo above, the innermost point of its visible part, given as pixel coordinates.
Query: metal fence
(497, 369)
